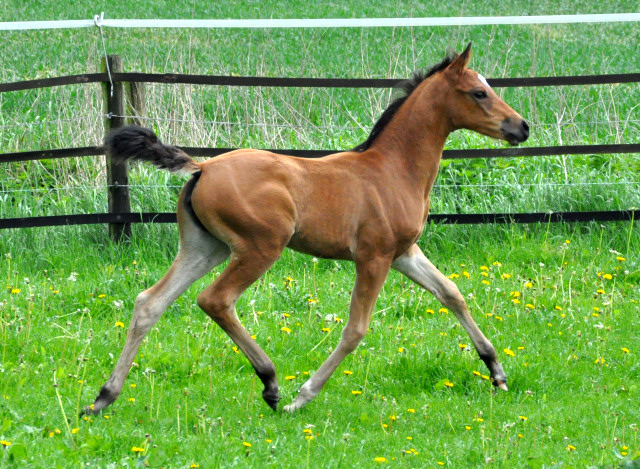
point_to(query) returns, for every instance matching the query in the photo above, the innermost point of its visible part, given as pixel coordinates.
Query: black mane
(406, 87)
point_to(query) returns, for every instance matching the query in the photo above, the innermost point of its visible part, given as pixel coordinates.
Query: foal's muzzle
(515, 131)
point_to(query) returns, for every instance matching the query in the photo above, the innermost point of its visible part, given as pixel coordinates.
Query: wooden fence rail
(119, 216)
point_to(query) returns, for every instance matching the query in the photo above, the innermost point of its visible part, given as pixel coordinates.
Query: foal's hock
(368, 205)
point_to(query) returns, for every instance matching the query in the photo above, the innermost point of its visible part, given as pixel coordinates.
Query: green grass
(195, 400)
(199, 401)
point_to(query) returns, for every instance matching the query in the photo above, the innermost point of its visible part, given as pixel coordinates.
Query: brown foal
(368, 205)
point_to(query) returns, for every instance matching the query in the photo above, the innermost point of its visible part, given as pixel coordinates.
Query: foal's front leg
(370, 277)
(418, 268)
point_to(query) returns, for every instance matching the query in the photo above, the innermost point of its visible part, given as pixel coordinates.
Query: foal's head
(472, 104)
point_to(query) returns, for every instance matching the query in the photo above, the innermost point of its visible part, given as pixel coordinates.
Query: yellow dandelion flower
(514, 294)
(348, 372)
(235, 349)
(400, 349)
(509, 352)
(137, 449)
(289, 378)
(523, 418)
(557, 308)
(529, 306)
(308, 437)
(452, 276)
(476, 373)
(506, 276)
(486, 282)
(430, 311)
(119, 324)
(268, 440)
(411, 411)
(463, 346)
(570, 448)
(620, 258)
(485, 377)
(600, 291)
(466, 274)
(325, 329)
(194, 466)
(443, 311)
(307, 430)
(607, 276)
(484, 274)
(440, 463)
(625, 349)
(356, 393)
(285, 329)
(132, 399)
(448, 384)
(380, 459)
(15, 291)
(528, 285)
(467, 427)
(246, 444)
(484, 267)
(5, 443)
(515, 301)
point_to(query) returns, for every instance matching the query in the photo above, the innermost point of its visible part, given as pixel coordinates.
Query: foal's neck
(415, 137)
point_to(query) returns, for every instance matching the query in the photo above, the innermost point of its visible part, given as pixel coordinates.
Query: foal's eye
(480, 94)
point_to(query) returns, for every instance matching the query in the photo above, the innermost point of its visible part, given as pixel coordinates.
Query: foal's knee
(451, 297)
(352, 335)
(145, 311)
(215, 306)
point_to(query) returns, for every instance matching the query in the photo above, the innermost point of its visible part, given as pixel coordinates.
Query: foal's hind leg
(417, 267)
(218, 301)
(198, 254)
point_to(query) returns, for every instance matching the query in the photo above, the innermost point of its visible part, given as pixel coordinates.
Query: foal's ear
(460, 63)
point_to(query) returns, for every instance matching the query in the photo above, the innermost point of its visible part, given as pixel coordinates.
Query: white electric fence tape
(326, 23)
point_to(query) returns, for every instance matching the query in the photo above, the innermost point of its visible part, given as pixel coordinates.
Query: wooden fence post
(136, 102)
(117, 174)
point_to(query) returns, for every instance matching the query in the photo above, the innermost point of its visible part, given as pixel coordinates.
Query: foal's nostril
(525, 130)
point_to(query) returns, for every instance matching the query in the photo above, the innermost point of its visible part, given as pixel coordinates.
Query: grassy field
(559, 302)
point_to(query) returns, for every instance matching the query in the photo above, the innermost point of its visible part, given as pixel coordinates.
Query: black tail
(138, 143)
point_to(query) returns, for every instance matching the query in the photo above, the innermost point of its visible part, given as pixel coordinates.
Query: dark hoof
(88, 411)
(271, 398)
(500, 384)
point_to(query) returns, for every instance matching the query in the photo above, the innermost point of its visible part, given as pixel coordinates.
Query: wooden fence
(120, 217)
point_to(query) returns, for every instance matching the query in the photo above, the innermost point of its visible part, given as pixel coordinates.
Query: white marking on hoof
(503, 386)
